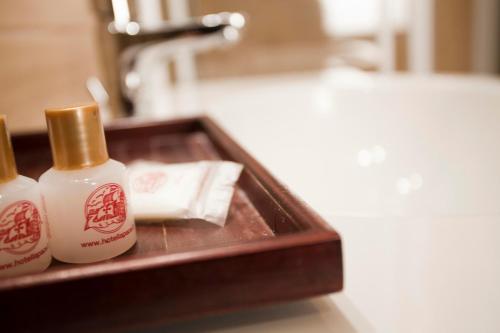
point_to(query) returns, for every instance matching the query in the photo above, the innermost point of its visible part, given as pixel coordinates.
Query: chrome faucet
(123, 41)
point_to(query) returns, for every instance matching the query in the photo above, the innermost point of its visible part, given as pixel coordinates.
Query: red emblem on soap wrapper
(20, 227)
(149, 182)
(106, 209)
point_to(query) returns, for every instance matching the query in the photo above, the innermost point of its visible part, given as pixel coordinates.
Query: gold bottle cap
(76, 137)
(8, 170)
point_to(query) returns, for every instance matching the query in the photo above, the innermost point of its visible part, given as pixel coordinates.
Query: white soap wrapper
(199, 190)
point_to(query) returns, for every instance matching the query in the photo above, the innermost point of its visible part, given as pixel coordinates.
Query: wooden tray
(272, 249)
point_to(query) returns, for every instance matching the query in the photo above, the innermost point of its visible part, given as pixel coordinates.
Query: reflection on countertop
(315, 315)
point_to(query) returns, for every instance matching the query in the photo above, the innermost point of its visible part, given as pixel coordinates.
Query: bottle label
(106, 209)
(20, 227)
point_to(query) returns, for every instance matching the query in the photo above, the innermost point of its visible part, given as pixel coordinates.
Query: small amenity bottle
(23, 227)
(85, 192)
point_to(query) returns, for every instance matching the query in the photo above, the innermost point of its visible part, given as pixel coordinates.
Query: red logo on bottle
(106, 209)
(20, 227)
(149, 182)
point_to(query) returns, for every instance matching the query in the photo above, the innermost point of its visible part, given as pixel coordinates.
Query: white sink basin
(406, 168)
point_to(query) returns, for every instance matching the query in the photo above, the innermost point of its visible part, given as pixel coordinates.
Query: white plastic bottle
(85, 192)
(23, 228)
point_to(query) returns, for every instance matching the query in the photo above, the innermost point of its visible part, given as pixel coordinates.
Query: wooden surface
(272, 249)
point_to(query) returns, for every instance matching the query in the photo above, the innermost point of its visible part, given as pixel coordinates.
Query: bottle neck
(8, 170)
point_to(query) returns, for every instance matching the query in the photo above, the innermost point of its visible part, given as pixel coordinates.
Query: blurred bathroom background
(53, 52)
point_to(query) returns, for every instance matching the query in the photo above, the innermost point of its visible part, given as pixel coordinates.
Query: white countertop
(407, 169)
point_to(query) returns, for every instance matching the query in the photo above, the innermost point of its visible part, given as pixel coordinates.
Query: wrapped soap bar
(197, 190)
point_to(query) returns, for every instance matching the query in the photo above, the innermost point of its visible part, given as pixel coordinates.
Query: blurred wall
(453, 35)
(48, 48)
(486, 36)
(47, 53)
(288, 35)
(280, 36)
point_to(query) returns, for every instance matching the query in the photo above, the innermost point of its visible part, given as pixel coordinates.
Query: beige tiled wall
(46, 55)
(280, 36)
(453, 35)
(48, 47)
